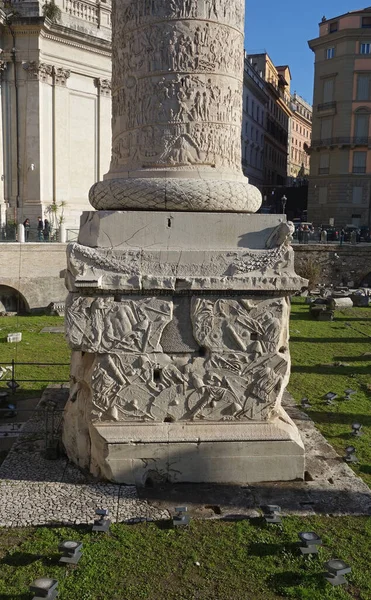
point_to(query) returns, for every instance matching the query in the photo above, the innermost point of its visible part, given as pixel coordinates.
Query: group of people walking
(43, 230)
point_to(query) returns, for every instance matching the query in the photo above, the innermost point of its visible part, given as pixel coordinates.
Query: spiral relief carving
(177, 106)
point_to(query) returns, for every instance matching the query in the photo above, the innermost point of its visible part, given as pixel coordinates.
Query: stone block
(203, 453)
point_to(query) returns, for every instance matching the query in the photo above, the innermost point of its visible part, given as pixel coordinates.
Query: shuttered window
(363, 87)
(359, 162)
(361, 126)
(326, 128)
(328, 90)
(324, 163)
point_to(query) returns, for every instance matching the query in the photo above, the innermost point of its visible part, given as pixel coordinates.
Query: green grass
(35, 347)
(332, 356)
(246, 560)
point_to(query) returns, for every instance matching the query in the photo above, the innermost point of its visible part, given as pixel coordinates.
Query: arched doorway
(12, 300)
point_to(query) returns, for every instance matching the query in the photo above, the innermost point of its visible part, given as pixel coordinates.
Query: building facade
(254, 123)
(300, 137)
(55, 108)
(340, 172)
(278, 115)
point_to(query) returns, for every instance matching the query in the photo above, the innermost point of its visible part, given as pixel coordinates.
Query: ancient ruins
(178, 305)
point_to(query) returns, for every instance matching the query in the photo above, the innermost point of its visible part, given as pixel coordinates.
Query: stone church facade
(55, 102)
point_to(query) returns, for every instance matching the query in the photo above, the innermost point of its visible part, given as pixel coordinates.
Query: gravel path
(36, 491)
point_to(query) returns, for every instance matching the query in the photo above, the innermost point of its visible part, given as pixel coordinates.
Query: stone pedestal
(179, 328)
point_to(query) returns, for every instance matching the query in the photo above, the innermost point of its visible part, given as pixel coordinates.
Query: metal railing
(326, 106)
(342, 141)
(12, 379)
(10, 234)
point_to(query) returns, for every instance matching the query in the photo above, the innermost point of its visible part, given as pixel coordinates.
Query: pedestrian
(342, 236)
(26, 225)
(46, 230)
(353, 237)
(300, 234)
(40, 229)
(306, 234)
(323, 236)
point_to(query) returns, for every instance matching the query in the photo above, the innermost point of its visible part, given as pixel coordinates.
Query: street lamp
(284, 202)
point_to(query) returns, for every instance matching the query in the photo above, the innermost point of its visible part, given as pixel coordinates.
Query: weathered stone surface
(223, 360)
(177, 109)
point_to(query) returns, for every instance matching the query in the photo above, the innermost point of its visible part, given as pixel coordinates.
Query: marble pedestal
(178, 323)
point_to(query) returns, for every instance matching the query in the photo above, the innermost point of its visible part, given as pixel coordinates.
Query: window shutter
(328, 90)
(363, 87)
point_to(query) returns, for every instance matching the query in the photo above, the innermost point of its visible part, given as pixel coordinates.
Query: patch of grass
(34, 347)
(334, 356)
(242, 560)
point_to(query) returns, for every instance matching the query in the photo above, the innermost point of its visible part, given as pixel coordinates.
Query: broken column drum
(177, 108)
(178, 306)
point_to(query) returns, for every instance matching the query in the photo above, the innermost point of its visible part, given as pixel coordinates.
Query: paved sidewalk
(36, 491)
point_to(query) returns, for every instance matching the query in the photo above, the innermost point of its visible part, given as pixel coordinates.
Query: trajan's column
(179, 295)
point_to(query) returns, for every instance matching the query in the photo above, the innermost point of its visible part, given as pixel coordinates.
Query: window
(359, 162)
(357, 194)
(361, 127)
(322, 194)
(330, 52)
(363, 86)
(365, 48)
(328, 90)
(366, 22)
(333, 27)
(326, 128)
(324, 164)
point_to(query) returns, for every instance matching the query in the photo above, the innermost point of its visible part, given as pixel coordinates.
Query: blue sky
(283, 29)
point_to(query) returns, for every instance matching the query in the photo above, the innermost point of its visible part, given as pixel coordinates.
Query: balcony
(359, 170)
(323, 171)
(327, 107)
(341, 141)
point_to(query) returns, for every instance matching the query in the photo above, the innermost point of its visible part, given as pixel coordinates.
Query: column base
(228, 453)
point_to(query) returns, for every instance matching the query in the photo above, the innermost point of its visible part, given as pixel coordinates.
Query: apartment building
(300, 136)
(278, 113)
(340, 171)
(255, 104)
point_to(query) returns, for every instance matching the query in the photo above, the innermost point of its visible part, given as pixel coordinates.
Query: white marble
(177, 108)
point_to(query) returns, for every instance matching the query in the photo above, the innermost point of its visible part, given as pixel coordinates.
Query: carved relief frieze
(239, 375)
(100, 324)
(228, 387)
(139, 13)
(178, 121)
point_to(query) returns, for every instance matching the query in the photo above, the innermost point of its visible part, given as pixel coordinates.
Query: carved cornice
(103, 85)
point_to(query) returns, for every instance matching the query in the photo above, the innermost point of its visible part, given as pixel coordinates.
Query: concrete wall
(37, 270)
(34, 270)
